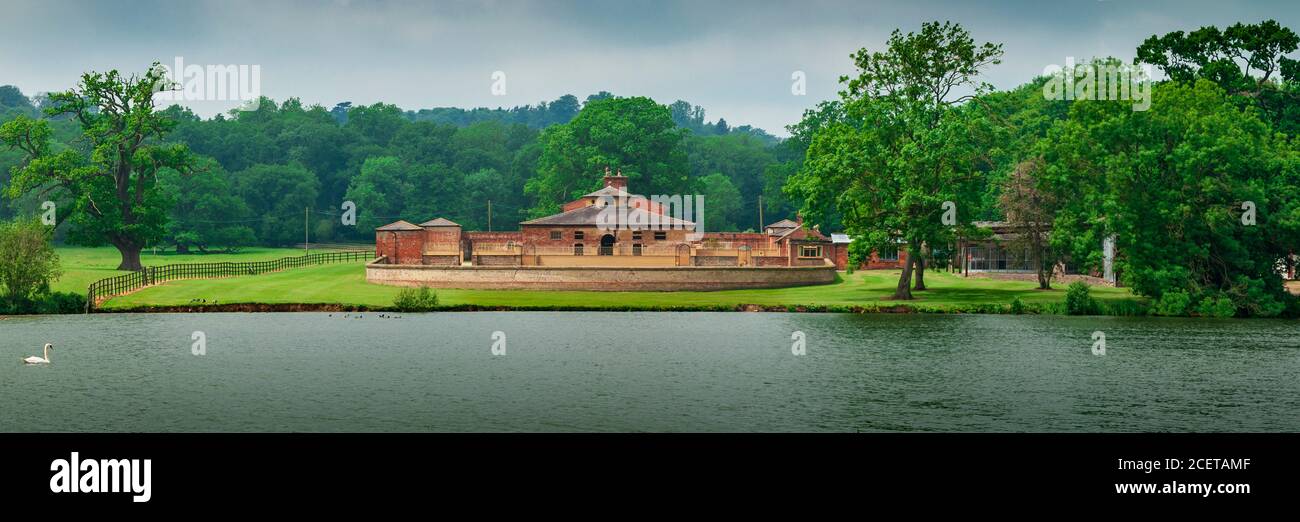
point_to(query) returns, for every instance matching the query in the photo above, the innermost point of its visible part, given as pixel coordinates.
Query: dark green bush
(1017, 306)
(1221, 306)
(61, 303)
(1077, 299)
(421, 299)
(1173, 304)
(46, 303)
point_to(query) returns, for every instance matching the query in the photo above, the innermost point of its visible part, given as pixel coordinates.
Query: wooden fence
(151, 275)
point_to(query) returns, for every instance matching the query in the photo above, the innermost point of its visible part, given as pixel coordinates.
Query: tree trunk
(920, 272)
(1044, 275)
(130, 255)
(904, 289)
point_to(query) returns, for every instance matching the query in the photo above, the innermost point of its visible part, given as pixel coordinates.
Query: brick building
(606, 228)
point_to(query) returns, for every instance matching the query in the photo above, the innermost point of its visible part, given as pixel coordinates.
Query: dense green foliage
(110, 173)
(1200, 192)
(28, 264)
(422, 299)
(1078, 300)
(902, 147)
(258, 175)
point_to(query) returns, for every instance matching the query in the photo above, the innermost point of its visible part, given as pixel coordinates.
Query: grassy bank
(344, 286)
(83, 265)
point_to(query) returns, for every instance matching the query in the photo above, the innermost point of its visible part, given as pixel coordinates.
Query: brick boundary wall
(598, 278)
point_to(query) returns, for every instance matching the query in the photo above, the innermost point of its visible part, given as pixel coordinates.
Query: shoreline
(986, 309)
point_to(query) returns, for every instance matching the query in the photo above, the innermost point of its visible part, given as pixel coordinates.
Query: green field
(83, 265)
(344, 284)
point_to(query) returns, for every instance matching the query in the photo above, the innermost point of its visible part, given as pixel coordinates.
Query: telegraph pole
(489, 215)
(760, 212)
(306, 240)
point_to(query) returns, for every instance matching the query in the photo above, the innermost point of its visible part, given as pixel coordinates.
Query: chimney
(618, 181)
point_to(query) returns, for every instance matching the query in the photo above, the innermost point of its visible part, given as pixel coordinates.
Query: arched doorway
(607, 245)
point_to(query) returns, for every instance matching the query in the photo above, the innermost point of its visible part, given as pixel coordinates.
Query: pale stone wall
(599, 278)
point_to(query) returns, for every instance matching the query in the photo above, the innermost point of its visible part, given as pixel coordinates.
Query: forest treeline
(259, 171)
(1191, 179)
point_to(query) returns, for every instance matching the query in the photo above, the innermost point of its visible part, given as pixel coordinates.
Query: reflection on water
(648, 372)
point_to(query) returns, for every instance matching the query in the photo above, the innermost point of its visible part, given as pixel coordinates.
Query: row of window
(579, 248)
(557, 235)
(995, 258)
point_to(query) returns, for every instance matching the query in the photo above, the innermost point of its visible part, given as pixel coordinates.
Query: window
(577, 234)
(636, 249)
(660, 236)
(577, 249)
(810, 251)
(636, 235)
(556, 234)
(887, 254)
(995, 258)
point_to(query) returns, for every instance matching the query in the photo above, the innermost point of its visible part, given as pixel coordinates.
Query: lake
(657, 371)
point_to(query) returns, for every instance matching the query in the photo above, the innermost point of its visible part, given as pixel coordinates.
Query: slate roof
(608, 191)
(439, 222)
(587, 216)
(398, 225)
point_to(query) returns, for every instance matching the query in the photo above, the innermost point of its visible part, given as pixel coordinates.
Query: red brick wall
(875, 263)
(495, 237)
(771, 261)
(442, 237)
(839, 254)
(403, 247)
(753, 239)
(440, 260)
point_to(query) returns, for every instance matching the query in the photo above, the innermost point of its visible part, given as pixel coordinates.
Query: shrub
(1221, 306)
(61, 303)
(1173, 303)
(1077, 299)
(421, 299)
(1123, 307)
(1017, 306)
(28, 262)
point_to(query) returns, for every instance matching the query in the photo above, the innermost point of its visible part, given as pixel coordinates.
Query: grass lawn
(345, 284)
(85, 265)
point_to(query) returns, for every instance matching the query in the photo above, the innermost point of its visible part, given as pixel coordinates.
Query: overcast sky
(733, 58)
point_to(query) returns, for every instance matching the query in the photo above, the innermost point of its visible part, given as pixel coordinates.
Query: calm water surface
(648, 372)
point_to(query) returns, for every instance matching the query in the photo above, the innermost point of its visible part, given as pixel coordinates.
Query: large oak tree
(112, 170)
(903, 143)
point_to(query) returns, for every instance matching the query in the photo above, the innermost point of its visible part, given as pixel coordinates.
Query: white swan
(40, 360)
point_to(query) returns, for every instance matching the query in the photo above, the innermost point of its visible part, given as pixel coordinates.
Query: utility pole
(489, 215)
(306, 239)
(760, 212)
